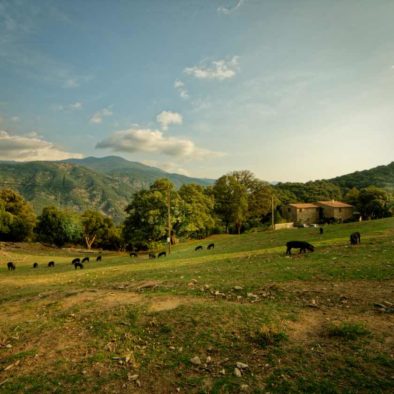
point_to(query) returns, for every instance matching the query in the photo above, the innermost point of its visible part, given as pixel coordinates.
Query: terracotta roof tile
(334, 204)
(304, 205)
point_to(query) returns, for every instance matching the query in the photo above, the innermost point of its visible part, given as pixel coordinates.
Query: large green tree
(374, 203)
(231, 201)
(96, 228)
(58, 227)
(196, 217)
(147, 214)
(17, 218)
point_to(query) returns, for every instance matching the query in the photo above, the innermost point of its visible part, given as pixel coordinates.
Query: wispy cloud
(181, 89)
(229, 10)
(30, 147)
(154, 141)
(77, 106)
(98, 117)
(166, 118)
(219, 69)
(71, 83)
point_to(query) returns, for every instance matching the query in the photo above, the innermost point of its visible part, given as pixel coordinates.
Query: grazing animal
(99, 258)
(78, 264)
(211, 246)
(11, 266)
(321, 230)
(152, 256)
(302, 245)
(355, 238)
(199, 247)
(77, 260)
(162, 254)
(85, 259)
(133, 254)
(35, 265)
(51, 264)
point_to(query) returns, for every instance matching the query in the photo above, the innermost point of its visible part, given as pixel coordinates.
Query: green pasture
(305, 323)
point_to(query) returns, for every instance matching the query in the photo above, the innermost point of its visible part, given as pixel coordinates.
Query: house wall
(338, 213)
(305, 215)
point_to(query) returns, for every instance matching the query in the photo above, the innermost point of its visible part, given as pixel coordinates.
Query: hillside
(105, 184)
(240, 318)
(135, 174)
(381, 176)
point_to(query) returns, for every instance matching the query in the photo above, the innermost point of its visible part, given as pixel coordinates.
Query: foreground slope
(302, 324)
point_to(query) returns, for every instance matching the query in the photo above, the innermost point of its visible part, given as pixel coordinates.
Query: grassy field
(240, 318)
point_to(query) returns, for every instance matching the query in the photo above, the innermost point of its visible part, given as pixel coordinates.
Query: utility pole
(273, 213)
(169, 221)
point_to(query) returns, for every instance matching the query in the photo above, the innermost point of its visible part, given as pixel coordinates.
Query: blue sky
(291, 90)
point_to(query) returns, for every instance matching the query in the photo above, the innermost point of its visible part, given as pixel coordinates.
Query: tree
(374, 203)
(17, 218)
(95, 227)
(147, 219)
(196, 211)
(58, 227)
(231, 201)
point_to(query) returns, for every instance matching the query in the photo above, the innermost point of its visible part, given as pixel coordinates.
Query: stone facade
(311, 213)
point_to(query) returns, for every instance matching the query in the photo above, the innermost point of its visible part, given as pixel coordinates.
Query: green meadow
(243, 317)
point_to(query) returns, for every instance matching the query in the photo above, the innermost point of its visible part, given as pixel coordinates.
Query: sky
(290, 90)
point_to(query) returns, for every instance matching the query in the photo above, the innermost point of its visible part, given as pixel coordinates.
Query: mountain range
(107, 184)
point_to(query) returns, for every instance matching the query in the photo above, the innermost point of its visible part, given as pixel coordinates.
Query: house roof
(304, 205)
(335, 204)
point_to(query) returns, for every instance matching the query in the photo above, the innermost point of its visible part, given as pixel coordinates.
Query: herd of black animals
(355, 239)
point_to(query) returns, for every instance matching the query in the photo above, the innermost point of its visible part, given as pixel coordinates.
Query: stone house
(335, 209)
(317, 212)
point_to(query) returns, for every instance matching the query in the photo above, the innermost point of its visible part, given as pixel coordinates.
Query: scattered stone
(195, 360)
(194, 281)
(242, 365)
(238, 288)
(251, 295)
(8, 346)
(223, 372)
(237, 373)
(132, 378)
(209, 359)
(244, 387)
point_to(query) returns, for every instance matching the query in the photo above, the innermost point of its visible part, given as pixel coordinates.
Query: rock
(238, 288)
(251, 295)
(242, 365)
(237, 373)
(223, 372)
(209, 359)
(195, 360)
(244, 387)
(131, 377)
(194, 281)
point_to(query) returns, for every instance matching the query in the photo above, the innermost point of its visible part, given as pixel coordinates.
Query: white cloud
(181, 89)
(71, 83)
(170, 167)
(15, 119)
(76, 106)
(229, 10)
(30, 147)
(219, 69)
(97, 118)
(166, 118)
(70, 107)
(154, 141)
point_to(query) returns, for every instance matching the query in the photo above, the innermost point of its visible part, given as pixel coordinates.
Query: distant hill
(381, 176)
(135, 174)
(106, 184)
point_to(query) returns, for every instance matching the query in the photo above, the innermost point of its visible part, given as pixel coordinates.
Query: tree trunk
(89, 241)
